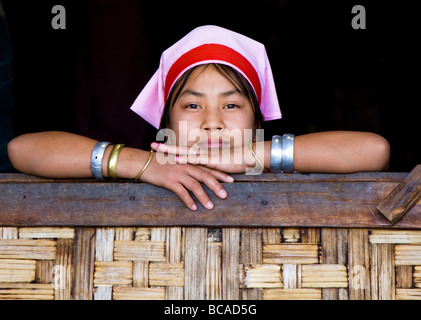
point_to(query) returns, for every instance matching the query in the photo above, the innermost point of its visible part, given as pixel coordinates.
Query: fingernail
(194, 207)
(230, 179)
(223, 193)
(177, 158)
(154, 145)
(209, 205)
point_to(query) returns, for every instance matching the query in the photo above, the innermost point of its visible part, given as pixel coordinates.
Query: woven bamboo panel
(207, 263)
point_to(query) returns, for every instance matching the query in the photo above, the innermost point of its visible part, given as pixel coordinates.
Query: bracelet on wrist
(112, 161)
(96, 159)
(288, 153)
(145, 166)
(282, 153)
(256, 157)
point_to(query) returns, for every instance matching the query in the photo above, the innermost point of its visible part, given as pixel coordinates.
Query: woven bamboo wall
(204, 263)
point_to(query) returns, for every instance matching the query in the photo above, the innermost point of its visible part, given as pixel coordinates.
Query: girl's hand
(182, 178)
(232, 160)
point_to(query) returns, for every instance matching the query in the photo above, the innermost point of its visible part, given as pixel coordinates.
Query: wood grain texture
(403, 197)
(83, 264)
(195, 263)
(230, 262)
(295, 200)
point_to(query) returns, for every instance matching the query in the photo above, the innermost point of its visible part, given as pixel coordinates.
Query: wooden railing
(373, 200)
(286, 236)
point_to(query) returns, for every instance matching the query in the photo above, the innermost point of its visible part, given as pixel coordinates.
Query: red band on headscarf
(213, 52)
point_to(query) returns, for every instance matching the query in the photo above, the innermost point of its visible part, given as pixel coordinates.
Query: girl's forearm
(338, 152)
(65, 155)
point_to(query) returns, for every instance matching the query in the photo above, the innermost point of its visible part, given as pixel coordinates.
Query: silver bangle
(288, 152)
(276, 154)
(96, 159)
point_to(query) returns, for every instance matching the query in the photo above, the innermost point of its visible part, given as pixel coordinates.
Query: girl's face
(211, 112)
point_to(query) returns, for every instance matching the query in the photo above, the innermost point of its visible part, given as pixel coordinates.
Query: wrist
(129, 163)
(256, 157)
(282, 153)
(106, 157)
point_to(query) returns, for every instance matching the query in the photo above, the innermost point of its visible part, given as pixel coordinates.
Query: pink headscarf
(209, 44)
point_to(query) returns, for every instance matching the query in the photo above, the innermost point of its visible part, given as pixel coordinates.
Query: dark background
(329, 76)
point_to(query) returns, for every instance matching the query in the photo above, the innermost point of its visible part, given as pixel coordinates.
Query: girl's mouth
(213, 143)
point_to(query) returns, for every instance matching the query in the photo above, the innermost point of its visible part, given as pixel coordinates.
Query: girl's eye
(231, 106)
(192, 106)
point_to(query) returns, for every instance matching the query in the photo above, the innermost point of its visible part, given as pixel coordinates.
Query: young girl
(212, 92)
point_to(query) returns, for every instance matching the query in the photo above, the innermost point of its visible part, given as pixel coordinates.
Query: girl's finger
(184, 196)
(221, 176)
(167, 148)
(172, 149)
(210, 181)
(192, 159)
(194, 186)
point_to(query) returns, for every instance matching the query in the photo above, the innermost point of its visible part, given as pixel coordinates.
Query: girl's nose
(212, 120)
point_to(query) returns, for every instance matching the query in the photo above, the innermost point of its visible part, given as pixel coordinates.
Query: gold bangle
(255, 156)
(144, 167)
(112, 160)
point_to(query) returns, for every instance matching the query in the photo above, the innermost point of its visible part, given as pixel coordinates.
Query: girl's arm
(53, 154)
(339, 152)
(66, 155)
(327, 152)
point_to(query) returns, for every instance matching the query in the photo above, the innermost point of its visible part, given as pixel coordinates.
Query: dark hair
(232, 75)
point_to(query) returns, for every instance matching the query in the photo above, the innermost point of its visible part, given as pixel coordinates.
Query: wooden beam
(267, 200)
(403, 197)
